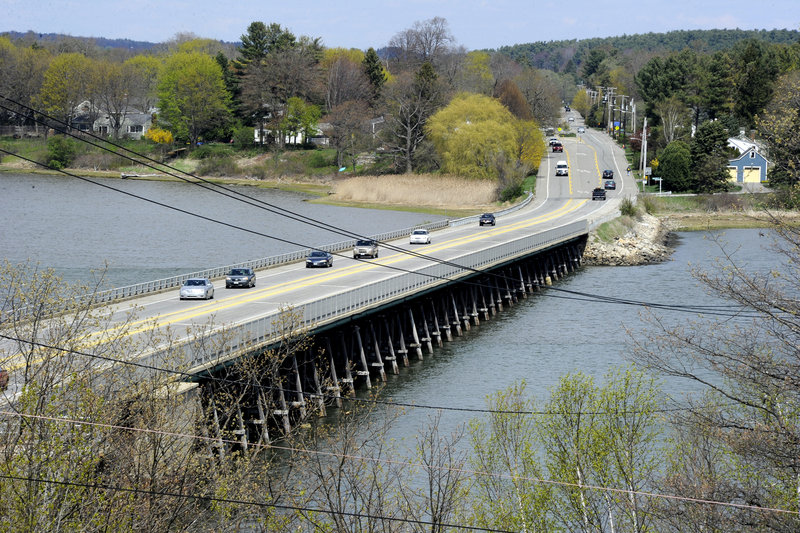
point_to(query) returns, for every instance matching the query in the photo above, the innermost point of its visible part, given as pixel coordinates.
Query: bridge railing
(274, 260)
(474, 218)
(147, 287)
(210, 350)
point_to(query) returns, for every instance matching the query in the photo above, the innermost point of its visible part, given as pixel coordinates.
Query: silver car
(194, 288)
(420, 236)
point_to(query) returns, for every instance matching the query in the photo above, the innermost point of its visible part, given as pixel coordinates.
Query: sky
(475, 24)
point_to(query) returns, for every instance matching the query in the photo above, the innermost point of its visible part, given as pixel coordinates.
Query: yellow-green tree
(476, 73)
(476, 136)
(581, 103)
(192, 94)
(66, 84)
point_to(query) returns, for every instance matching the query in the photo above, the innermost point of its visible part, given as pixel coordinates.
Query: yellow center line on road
(282, 288)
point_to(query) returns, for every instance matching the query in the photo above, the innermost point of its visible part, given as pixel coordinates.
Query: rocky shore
(645, 243)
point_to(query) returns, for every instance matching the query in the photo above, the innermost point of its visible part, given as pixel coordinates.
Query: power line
(406, 464)
(374, 401)
(217, 499)
(235, 195)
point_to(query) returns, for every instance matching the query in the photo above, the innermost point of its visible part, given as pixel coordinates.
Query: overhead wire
(271, 388)
(405, 464)
(238, 196)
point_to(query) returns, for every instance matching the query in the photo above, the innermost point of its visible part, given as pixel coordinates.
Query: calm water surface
(75, 227)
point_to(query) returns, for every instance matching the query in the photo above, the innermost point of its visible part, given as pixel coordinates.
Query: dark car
(240, 277)
(558, 147)
(487, 219)
(610, 184)
(318, 258)
(598, 194)
(608, 174)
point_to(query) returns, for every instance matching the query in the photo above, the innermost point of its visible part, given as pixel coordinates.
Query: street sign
(656, 179)
(648, 171)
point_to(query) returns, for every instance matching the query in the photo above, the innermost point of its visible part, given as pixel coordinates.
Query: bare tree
(346, 81)
(428, 40)
(748, 362)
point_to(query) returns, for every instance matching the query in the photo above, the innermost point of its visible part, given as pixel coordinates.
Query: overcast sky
(360, 24)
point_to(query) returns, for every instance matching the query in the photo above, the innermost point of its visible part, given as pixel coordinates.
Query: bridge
(368, 317)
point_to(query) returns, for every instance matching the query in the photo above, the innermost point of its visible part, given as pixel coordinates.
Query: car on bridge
(319, 258)
(240, 277)
(197, 288)
(487, 219)
(420, 236)
(598, 194)
(365, 248)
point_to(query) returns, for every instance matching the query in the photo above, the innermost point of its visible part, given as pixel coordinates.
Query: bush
(648, 204)
(243, 138)
(218, 166)
(511, 192)
(61, 151)
(207, 151)
(627, 208)
(318, 160)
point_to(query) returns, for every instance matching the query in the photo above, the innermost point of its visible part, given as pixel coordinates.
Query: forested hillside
(567, 55)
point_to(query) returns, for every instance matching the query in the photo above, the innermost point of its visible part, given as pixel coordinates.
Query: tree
(475, 75)
(193, 99)
(755, 70)
(346, 81)
(94, 442)
(510, 96)
(376, 74)
(66, 84)
(541, 94)
(709, 161)
(780, 125)
(477, 136)
(674, 166)
(145, 71)
(741, 441)
(113, 83)
(351, 135)
(426, 42)
(411, 101)
(300, 119)
(674, 118)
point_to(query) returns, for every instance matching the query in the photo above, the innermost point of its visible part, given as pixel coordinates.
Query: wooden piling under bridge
(355, 353)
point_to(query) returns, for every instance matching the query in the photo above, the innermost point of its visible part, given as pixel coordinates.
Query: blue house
(750, 167)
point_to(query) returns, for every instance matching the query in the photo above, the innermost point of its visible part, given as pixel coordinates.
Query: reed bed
(419, 189)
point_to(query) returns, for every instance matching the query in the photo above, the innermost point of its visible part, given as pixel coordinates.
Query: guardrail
(147, 287)
(474, 218)
(217, 272)
(220, 347)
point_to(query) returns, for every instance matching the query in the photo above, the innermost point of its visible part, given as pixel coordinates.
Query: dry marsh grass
(443, 192)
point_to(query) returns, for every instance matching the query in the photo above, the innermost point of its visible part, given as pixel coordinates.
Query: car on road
(558, 147)
(608, 174)
(553, 140)
(487, 219)
(572, 119)
(240, 277)
(561, 168)
(581, 129)
(319, 258)
(598, 194)
(197, 288)
(610, 184)
(420, 236)
(365, 248)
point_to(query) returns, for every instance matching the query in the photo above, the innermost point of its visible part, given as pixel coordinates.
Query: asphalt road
(559, 201)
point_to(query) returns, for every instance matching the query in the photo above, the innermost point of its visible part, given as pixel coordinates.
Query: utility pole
(643, 161)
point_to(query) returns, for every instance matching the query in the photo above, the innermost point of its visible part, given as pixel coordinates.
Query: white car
(581, 129)
(420, 236)
(197, 288)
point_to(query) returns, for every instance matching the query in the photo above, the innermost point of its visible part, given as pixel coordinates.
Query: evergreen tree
(374, 71)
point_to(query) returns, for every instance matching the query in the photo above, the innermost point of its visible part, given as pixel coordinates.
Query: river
(75, 227)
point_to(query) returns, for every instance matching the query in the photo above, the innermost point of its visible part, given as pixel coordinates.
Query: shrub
(61, 151)
(243, 138)
(511, 192)
(218, 166)
(627, 208)
(318, 160)
(207, 151)
(648, 204)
